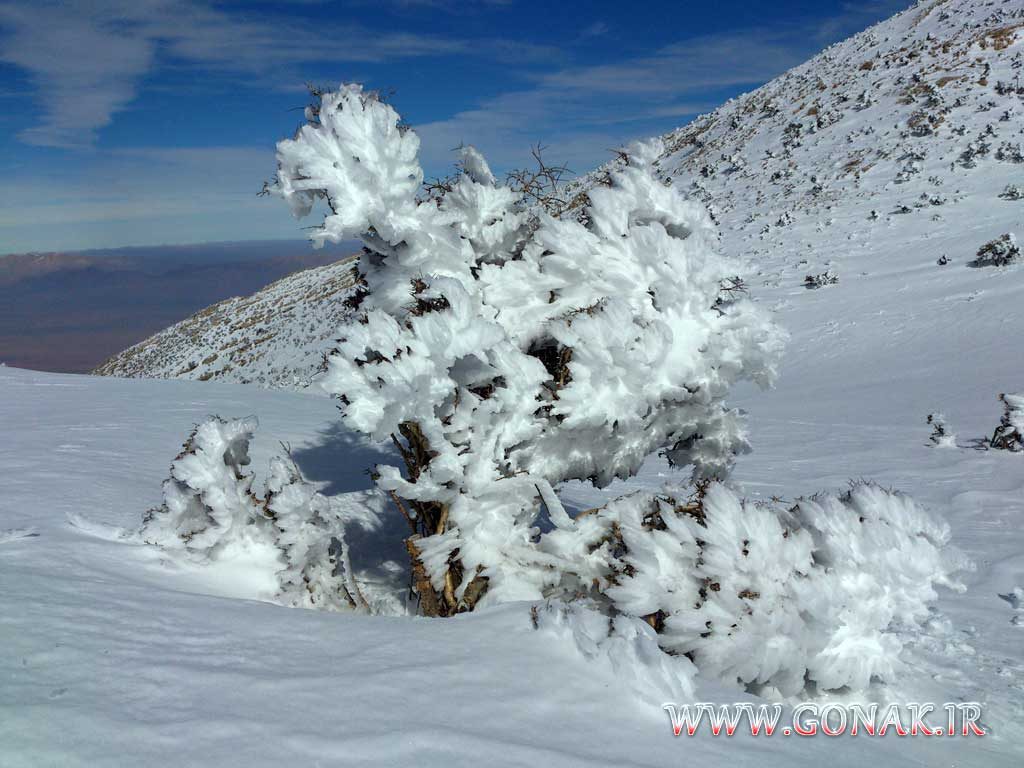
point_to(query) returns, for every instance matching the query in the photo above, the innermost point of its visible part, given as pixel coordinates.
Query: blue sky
(153, 121)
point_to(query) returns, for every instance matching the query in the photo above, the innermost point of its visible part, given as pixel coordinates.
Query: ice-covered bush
(770, 597)
(1012, 192)
(1009, 435)
(505, 350)
(310, 533)
(208, 502)
(209, 508)
(998, 253)
(940, 435)
(828, 277)
(1010, 153)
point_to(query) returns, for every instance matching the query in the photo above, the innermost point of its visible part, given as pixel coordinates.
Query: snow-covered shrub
(317, 570)
(907, 172)
(209, 508)
(736, 162)
(773, 597)
(791, 135)
(940, 435)
(1009, 435)
(208, 503)
(998, 252)
(1010, 153)
(1012, 192)
(1004, 88)
(826, 118)
(974, 150)
(923, 123)
(505, 350)
(819, 281)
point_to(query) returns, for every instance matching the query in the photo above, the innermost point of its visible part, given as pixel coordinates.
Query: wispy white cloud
(701, 63)
(83, 72)
(594, 29)
(583, 112)
(86, 61)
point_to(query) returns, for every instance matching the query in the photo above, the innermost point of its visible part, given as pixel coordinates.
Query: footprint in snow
(13, 534)
(1015, 598)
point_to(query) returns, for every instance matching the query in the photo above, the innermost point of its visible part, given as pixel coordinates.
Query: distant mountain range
(71, 311)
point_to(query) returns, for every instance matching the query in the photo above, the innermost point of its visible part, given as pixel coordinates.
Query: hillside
(909, 130)
(67, 312)
(863, 161)
(274, 338)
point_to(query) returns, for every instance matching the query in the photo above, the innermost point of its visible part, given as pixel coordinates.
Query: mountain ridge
(888, 135)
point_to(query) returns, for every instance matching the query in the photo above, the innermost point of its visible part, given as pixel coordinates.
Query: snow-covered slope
(117, 654)
(276, 337)
(908, 131)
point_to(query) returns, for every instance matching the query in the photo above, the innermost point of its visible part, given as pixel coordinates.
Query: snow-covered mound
(277, 337)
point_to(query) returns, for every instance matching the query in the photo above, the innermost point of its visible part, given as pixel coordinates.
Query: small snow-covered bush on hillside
(1010, 153)
(209, 510)
(1009, 435)
(208, 502)
(940, 435)
(998, 253)
(1012, 192)
(317, 570)
(821, 280)
(504, 350)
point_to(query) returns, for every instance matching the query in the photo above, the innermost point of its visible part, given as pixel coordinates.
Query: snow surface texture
(518, 350)
(118, 653)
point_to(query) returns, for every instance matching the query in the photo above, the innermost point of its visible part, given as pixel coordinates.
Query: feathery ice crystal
(506, 350)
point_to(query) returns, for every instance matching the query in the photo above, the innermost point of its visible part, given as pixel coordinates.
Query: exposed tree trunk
(431, 518)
